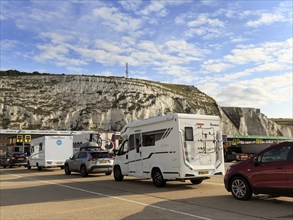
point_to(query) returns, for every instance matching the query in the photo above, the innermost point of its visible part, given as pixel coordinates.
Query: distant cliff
(68, 102)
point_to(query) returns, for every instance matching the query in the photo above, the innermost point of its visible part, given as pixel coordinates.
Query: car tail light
(91, 159)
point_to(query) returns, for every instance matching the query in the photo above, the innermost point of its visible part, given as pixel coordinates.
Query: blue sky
(238, 52)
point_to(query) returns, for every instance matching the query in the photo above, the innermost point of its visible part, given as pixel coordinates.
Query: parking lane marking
(113, 197)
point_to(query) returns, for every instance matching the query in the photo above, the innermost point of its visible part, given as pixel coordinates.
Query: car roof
(92, 149)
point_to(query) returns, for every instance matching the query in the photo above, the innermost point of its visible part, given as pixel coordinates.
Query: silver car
(89, 161)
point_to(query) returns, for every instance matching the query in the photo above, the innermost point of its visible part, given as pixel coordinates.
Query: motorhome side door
(122, 157)
(135, 155)
(138, 154)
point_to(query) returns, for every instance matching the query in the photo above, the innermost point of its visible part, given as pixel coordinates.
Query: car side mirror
(256, 161)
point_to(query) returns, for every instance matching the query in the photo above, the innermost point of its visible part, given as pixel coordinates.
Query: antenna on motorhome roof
(126, 70)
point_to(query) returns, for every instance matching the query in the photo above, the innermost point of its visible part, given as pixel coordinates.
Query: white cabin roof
(167, 117)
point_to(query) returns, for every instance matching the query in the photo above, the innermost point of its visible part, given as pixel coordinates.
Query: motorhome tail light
(200, 123)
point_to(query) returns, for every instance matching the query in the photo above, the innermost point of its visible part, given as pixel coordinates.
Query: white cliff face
(91, 102)
(250, 121)
(107, 103)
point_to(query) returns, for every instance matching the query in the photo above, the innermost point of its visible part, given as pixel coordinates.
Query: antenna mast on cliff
(126, 70)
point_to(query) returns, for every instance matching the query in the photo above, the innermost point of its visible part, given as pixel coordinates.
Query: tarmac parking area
(50, 194)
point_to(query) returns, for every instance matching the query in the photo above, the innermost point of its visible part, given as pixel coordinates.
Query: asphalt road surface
(50, 194)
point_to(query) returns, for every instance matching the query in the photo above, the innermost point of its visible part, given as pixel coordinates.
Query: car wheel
(240, 188)
(196, 181)
(158, 179)
(108, 173)
(83, 171)
(29, 166)
(118, 174)
(67, 170)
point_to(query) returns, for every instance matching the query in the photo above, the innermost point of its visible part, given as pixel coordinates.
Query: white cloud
(153, 7)
(264, 57)
(204, 20)
(108, 46)
(116, 20)
(252, 93)
(266, 19)
(203, 26)
(9, 44)
(131, 5)
(215, 67)
(159, 7)
(173, 70)
(212, 3)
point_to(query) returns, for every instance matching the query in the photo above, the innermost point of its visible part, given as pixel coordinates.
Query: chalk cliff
(68, 102)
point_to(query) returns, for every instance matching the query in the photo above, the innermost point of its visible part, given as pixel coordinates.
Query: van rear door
(202, 146)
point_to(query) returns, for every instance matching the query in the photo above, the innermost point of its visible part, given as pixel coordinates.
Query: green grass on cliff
(283, 121)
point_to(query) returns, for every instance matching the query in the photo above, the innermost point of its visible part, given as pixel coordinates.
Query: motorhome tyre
(158, 179)
(28, 165)
(118, 174)
(39, 168)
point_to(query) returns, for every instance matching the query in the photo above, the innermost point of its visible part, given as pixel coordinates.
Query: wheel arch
(239, 175)
(154, 169)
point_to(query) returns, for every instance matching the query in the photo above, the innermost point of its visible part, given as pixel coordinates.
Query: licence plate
(202, 172)
(59, 163)
(19, 158)
(103, 161)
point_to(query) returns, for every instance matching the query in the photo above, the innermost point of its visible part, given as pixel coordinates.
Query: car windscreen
(100, 155)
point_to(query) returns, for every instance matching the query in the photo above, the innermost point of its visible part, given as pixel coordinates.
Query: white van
(171, 147)
(50, 151)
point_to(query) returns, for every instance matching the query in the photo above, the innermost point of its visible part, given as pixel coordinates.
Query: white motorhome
(50, 151)
(171, 147)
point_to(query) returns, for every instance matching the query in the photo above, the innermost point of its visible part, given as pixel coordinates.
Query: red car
(268, 172)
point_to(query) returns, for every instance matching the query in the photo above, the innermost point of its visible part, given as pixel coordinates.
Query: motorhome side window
(131, 142)
(124, 148)
(137, 142)
(149, 138)
(159, 134)
(40, 146)
(189, 134)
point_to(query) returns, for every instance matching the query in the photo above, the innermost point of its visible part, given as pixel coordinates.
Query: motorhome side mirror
(71, 158)
(116, 152)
